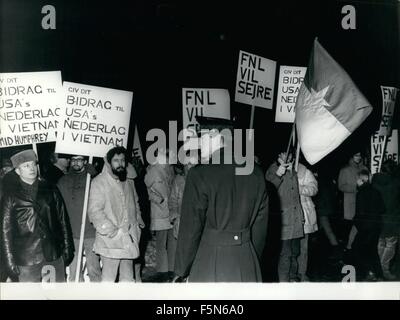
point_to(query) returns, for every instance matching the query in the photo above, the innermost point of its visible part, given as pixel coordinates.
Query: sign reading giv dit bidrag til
(93, 119)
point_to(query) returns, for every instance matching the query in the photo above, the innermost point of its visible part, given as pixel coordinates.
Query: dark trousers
(365, 248)
(288, 265)
(53, 271)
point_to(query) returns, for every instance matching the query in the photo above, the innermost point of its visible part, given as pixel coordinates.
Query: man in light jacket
(347, 183)
(308, 187)
(114, 211)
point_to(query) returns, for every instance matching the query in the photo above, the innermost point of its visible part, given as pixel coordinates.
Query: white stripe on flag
(319, 132)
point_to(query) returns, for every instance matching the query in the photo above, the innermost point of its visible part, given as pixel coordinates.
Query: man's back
(222, 213)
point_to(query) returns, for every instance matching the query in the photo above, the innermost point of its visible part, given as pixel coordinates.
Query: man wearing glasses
(35, 229)
(72, 187)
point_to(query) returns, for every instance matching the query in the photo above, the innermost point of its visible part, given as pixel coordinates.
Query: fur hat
(22, 157)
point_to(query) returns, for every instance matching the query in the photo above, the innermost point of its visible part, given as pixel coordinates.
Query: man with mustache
(35, 229)
(72, 187)
(114, 211)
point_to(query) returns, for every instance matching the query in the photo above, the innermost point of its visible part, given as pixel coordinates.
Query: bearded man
(114, 211)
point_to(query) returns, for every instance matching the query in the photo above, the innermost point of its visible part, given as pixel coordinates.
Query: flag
(329, 106)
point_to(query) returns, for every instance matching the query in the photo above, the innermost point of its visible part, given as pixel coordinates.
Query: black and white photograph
(165, 149)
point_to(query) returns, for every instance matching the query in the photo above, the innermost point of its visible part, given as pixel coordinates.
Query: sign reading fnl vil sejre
(255, 80)
(29, 107)
(290, 80)
(391, 150)
(202, 102)
(93, 119)
(389, 95)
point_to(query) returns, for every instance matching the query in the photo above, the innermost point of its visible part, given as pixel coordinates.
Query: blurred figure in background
(347, 183)
(325, 202)
(158, 179)
(389, 187)
(367, 221)
(57, 168)
(175, 199)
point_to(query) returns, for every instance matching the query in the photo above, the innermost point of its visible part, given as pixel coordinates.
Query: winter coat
(326, 198)
(223, 225)
(72, 187)
(289, 201)
(369, 209)
(158, 181)
(308, 187)
(389, 188)
(175, 202)
(347, 183)
(114, 205)
(35, 228)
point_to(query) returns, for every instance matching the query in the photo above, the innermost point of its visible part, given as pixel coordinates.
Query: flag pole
(83, 224)
(297, 156)
(251, 122)
(290, 141)
(34, 147)
(383, 153)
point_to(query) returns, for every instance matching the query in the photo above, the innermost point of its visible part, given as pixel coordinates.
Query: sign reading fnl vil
(255, 80)
(93, 120)
(391, 150)
(202, 102)
(290, 80)
(29, 107)
(389, 95)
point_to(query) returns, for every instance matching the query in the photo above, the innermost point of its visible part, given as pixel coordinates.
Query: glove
(281, 170)
(68, 256)
(14, 270)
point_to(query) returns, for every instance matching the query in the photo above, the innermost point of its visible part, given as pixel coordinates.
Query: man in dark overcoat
(224, 213)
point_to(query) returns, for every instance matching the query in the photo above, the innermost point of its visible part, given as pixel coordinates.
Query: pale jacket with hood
(114, 204)
(159, 180)
(308, 187)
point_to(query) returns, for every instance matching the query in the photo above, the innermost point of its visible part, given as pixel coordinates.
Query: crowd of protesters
(356, 214)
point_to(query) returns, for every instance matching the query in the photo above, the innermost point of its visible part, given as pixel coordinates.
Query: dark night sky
(154, 48)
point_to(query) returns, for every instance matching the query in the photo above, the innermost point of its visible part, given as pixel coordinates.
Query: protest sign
(255, 80)
(93, 119)
(137, 149)
(290, 80)
(389, 95)
(377, 146)
(202, 102)
(29, 107)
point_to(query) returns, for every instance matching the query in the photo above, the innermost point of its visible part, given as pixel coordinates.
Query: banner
(202, 102)
(290, 80)
(388, 103)
(391, 152)
(29, 107)
(93, 119)
(255, 80)
(137, 149)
